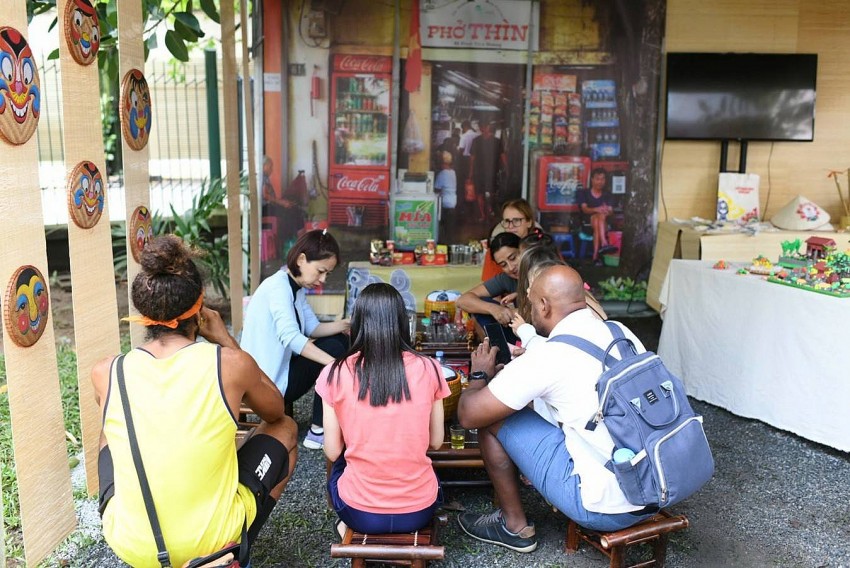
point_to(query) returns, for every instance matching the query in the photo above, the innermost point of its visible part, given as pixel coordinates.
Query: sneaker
(313, 441)
(491, 528)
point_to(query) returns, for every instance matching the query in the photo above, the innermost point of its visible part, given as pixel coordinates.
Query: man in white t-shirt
(566, 464)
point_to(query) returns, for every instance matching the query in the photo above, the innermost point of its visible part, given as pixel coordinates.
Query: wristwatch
(479, 376)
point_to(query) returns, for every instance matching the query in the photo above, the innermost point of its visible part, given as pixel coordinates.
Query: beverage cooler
(602, 119)
(560, 179)
(359, 180)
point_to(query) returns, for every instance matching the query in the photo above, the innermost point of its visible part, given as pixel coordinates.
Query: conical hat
(800, 214)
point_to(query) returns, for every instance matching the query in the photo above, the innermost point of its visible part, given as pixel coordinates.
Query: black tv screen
(741, 96)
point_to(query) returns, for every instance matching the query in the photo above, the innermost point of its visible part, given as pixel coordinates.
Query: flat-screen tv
(741, 96)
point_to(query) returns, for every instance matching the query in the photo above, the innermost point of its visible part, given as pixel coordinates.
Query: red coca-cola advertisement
(361, 184)
(361, 89)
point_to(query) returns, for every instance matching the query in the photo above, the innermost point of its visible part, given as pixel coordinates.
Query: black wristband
(479, 376)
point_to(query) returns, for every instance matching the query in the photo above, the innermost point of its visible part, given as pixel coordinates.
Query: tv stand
(724, 156)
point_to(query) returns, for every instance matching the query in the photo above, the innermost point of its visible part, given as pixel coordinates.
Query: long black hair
(380, 334)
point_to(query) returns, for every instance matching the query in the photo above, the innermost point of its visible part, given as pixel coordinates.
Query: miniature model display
(136, 111)
(761, 265)
(82, 31)
(86, 195)
(26, 306)
(141, 231)
(822, 269)
(20, 91)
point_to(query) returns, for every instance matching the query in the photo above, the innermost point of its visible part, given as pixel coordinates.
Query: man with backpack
(567, 465)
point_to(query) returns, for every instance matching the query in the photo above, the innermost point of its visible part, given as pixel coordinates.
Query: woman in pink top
(382, 410)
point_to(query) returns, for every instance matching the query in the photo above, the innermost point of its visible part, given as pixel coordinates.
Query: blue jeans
(377, 523)
(537, 448)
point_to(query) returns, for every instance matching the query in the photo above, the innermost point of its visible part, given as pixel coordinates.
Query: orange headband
(146, 321)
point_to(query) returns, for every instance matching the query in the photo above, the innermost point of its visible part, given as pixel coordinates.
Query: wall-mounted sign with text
(480, 24)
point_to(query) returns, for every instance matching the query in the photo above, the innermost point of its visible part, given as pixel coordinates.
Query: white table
(760, 350)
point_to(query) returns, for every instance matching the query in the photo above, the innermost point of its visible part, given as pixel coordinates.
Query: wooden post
(92, 271)
(253, 198)
(231, 158)
(131, 55)
(38, 429)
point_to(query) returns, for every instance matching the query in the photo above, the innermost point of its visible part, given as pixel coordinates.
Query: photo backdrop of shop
(598, 40)
(477, 93)
(359, 173)
(574, 129)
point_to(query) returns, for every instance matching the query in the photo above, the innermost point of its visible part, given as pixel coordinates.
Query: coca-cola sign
(371, 183)
(363, 63)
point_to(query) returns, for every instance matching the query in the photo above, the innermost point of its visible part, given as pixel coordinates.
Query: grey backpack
(664, 455)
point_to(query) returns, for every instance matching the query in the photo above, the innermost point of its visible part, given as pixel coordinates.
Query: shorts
(538, 449)
(263, 463)
(377, 523)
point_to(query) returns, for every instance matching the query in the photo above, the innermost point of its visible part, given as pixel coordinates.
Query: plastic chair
(562, 239)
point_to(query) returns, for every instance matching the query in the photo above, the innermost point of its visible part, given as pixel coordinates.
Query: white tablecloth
(760, 350)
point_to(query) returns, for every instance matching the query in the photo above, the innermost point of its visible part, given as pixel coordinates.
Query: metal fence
(179, 142)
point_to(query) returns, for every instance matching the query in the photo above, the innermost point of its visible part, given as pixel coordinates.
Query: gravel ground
(776, 500)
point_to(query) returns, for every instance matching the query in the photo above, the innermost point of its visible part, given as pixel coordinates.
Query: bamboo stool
(405, 549)
(654, 530)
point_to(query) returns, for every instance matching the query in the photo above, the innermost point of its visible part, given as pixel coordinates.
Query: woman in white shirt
(284, 335)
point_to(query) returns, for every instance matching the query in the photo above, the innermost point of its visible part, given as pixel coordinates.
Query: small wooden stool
(654, 530)
(405, 549)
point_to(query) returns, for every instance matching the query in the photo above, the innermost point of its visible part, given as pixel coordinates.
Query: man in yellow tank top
(184, 398)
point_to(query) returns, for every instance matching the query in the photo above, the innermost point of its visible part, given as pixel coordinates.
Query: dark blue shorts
(377, 523)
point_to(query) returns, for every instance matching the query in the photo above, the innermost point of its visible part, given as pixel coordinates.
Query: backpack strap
(620, 340)
(584, 345)
(604, 355)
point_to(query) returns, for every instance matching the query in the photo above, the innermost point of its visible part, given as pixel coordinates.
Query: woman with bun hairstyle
(184, 397)
(284, 335)
(383, 409)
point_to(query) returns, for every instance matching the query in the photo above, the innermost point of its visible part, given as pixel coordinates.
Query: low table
(467, 458)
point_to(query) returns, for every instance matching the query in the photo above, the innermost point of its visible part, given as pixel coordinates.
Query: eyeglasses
(515, 222)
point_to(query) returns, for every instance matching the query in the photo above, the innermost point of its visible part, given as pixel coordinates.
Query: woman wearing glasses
(517, 218)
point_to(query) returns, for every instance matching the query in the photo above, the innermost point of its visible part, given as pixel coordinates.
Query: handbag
(224, 558)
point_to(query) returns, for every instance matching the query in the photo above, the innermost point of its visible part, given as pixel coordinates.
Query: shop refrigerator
(560, 179)
(602, 118)
(359, 171)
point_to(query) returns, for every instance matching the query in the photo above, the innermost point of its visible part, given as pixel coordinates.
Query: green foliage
(183, 31)
(622, 289)
(193, 226)
(69, 391)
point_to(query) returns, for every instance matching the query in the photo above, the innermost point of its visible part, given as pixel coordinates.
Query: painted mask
(20, 95)
(82, 31)
(135, 109)
(141, 231)
(86, 195)
(27, 305)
